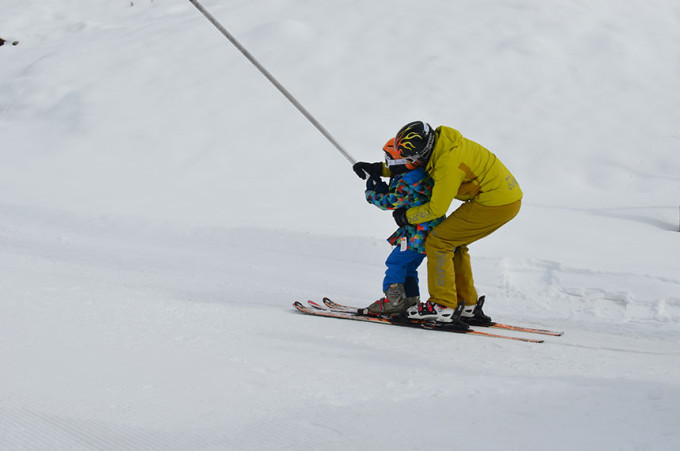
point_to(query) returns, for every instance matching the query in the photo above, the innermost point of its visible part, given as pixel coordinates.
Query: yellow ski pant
(449, 273)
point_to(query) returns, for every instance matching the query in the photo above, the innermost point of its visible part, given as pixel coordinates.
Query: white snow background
(162, 205)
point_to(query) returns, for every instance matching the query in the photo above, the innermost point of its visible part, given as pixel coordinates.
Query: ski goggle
(398, 162)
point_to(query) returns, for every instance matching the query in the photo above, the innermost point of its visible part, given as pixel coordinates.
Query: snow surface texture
(162, 205)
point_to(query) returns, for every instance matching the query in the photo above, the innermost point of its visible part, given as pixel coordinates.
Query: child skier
(409, 186)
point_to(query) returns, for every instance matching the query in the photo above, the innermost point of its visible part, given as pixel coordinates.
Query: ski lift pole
(273, 80)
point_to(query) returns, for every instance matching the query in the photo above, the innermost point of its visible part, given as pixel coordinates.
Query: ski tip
(316, 305)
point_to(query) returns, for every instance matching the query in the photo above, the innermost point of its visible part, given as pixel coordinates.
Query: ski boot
(431, 311)
(394, 302)
(474, 316)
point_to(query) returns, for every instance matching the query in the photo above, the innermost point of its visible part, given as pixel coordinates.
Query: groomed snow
(162, 205)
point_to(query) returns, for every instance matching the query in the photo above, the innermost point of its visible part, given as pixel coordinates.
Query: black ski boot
(474, 316)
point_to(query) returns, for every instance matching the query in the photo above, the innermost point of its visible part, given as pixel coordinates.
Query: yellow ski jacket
(464, 170)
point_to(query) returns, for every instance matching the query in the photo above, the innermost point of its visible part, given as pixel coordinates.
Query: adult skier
(464, 170)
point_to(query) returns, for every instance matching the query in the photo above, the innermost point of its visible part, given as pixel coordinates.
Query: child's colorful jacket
(409, 189)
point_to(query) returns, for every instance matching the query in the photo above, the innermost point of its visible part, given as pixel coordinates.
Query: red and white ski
(318, 310)
(334, 306)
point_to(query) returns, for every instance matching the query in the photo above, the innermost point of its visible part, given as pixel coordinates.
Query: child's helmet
(394, 161)
(414, 143)
(390, 154)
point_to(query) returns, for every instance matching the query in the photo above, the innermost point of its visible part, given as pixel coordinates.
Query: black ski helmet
(414, 142)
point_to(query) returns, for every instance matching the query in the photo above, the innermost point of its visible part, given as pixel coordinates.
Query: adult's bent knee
(434, 244)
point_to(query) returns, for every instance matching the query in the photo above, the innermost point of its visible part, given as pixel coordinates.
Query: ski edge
(532, 330)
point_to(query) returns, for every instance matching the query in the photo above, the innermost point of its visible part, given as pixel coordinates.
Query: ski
(317, 310)
(334, 306)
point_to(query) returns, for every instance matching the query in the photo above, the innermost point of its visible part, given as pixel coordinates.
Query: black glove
(374, 169)
(377, 185)
(399, 216)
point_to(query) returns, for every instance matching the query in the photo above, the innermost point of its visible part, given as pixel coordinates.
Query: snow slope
(162, 205)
